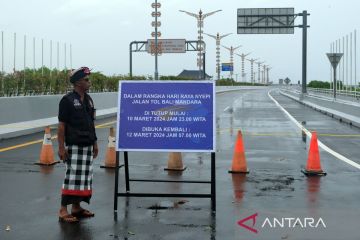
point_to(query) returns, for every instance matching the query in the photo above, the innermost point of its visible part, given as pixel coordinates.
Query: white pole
(343, 60)
(336, 50)
(14, 52)
(65, 55)
(156, 73)
(42, 57)
(347, 58)
(355, 60)
(70, 56)
(2, 62)
(34, 55)
(51, 68)
(330, 69)
(24, 62)
(51, 48)
(58, 57)
(351, 59)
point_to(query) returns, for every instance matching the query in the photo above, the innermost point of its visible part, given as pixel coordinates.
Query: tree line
(44, 81)
(326, 85)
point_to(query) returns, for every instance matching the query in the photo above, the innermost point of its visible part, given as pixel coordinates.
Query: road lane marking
(321, 145)
(285, 134)
(227, 108)
(105, 124)
(41, 140)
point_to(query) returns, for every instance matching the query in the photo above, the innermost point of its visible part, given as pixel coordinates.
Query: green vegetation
(42, 81)
(326, 85)
(319, 84)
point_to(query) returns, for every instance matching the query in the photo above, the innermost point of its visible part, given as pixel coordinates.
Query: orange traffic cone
(239, 186)
(175, 162)
(313, 166)
(239, 159)
(110, 157)
(47, 151)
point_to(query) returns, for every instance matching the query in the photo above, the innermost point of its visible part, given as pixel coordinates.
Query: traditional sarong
(78, 176)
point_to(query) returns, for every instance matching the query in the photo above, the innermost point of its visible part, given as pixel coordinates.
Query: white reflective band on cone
(47, 139)
(111, 141)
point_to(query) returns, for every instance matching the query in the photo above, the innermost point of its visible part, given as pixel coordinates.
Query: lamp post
(252, 60)
(243, 64)
(264, 72)
(259, 65)
(232, 51)
(218, 40)
(267, 74)
(156, 34)
(200, 25)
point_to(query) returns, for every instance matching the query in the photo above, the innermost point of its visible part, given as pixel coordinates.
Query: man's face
(84, 83)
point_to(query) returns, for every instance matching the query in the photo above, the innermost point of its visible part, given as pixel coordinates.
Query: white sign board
(167, 45)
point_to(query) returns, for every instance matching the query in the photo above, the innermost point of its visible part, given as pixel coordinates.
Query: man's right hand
(63, 154)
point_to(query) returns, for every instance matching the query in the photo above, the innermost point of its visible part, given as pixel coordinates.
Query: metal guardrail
(354, 94)
(15, 93)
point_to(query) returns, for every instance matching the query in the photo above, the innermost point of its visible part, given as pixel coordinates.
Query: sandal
(83, 213)
(68, 219)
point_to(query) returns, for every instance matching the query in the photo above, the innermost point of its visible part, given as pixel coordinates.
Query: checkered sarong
(79, 172)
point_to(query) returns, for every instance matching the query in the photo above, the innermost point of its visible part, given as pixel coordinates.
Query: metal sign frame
(127, 193)
(190, 46)
(304, 26)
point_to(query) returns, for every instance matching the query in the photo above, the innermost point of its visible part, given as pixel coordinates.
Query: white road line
(308, 133)
(227, 108)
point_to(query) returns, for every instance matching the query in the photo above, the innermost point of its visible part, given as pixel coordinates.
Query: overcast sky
(100, 32)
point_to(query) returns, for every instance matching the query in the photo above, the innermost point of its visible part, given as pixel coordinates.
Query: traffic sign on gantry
(265, 21)
(167, 45)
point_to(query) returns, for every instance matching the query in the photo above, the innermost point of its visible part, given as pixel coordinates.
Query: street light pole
(2, 63)
(259, 65)
(243, 64)
(232, 51)
(24, 84)
(304, 50)
(156, 14)
(200, 24)
(252, 69)
(267, 74)
(218, 40)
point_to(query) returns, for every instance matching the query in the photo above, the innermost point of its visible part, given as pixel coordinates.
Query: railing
(347, 93)
(19, 93)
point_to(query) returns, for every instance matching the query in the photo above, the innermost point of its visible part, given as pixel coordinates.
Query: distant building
(193, 74)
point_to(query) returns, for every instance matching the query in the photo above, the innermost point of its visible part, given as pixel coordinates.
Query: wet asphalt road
(275, 187)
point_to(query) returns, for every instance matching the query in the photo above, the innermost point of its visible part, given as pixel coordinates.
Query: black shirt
(79, 119)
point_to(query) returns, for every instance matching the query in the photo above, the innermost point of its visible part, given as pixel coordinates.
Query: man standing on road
(77, 146)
